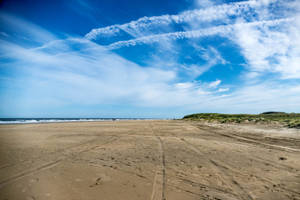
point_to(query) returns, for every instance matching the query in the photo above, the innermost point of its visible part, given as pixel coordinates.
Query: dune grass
(291, 120)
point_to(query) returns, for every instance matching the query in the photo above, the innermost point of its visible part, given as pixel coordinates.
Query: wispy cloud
(214, 84)
(271, 49)
(222, 30)
(106, 79)
(25, 31)
(265, 38)
(223, 89)
(206, 14)
(92, 76)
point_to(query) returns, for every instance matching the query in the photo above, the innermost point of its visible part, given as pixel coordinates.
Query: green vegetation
(291, 120)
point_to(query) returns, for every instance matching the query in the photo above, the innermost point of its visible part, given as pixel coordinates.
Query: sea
(55, 120)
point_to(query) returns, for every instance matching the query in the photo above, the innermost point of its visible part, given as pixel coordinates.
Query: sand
(148, 160)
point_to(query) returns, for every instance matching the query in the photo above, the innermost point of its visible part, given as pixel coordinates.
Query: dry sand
(148, 160)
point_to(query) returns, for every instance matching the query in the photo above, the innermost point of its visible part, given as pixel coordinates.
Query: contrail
(205, 15)
(222, 30)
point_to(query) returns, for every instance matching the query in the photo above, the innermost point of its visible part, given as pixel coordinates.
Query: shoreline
(75, 121)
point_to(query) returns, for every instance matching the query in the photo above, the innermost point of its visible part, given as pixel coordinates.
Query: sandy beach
(148, 160)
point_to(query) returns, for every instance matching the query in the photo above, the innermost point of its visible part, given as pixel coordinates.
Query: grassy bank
(291, 120)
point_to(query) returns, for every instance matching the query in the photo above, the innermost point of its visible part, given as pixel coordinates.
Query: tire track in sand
(225, 168)
(246, 139)
(159, 182)
(28, 172)
(49, 165)
(61, 151)
(226, 178)
(261, 144)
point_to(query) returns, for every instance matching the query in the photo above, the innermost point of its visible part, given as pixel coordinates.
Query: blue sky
(157, 58)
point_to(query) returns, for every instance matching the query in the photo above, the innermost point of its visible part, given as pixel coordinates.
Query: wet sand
(153, 160)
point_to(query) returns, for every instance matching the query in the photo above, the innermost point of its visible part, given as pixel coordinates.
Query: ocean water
(52, 120)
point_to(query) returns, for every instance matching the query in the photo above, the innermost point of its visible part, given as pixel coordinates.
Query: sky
(158, 58)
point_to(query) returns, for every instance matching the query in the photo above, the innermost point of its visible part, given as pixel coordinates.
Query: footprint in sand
(101, 179)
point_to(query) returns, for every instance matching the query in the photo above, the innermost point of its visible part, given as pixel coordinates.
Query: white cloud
(24, 30)
(204, 3)
(186, 85)
(212, 57)
(214, 84)
(91, 77)
(95, 76)
(274, 48)
(223, 89)
(4, 34)
(264, 96)
(269, 44)
(64, 79)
